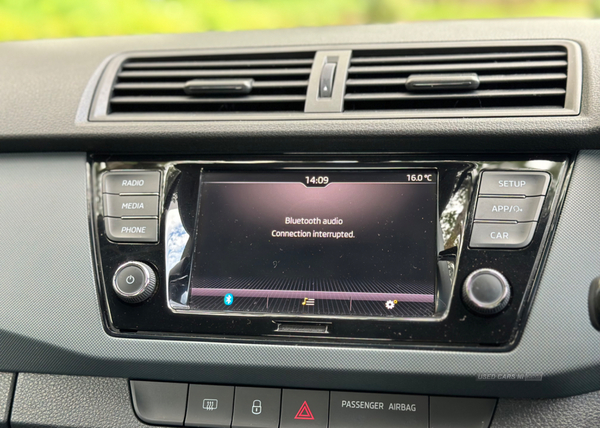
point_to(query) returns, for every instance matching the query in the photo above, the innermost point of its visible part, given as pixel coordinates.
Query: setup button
(357, 410)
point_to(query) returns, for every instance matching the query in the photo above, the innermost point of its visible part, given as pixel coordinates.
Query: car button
(514, 183)
(517, 209)
(209, 406)
(256, 407)
(458, 412)
(129, 230)
(302, 408)
(127, 205)
(358, 410)
(502, 235)
(161, 403)
(118, 182)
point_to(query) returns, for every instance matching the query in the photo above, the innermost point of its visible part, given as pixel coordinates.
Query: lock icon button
(256, 407)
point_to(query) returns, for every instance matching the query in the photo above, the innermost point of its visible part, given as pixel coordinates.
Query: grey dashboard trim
(581, 411)
(53, 324)
(100, 104)
(72, 402)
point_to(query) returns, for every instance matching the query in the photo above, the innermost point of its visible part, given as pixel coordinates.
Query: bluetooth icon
(228, 299)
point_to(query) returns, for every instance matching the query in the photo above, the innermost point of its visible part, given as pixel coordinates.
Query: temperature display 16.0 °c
(419, 177)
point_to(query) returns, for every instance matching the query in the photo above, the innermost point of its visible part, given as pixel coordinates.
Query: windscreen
(316, 243)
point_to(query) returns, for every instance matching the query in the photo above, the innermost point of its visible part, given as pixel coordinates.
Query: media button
(302, 408)
(256, 407)
(128, 205)
(358, 410)
(209, 406)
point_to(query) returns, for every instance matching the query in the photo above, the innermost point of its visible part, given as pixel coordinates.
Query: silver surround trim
(482, 307)
(144, 292)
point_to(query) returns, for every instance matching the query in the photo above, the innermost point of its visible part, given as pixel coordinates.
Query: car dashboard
(384, 225)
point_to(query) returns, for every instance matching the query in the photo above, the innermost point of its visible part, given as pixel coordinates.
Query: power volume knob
(134, 282)
(486, 292)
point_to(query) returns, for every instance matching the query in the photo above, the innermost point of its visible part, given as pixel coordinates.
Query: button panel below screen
(251, 407)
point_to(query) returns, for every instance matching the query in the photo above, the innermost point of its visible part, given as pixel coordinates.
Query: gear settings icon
(390, 304)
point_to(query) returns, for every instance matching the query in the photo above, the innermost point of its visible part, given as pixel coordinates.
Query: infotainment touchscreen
(320, 243)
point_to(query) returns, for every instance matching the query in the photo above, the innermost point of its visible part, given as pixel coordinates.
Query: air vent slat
(215, 73)
(483, 79)
(214, 100)
(473, 94)
(522, 77)
(179, 85)
(457, 67)
(206, 100)
(375, 82)
(218, 64)
(457, 57)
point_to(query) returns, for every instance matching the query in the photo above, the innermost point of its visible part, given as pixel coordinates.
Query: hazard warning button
(302, 408)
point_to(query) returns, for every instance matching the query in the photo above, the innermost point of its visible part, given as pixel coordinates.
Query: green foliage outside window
(33, 19)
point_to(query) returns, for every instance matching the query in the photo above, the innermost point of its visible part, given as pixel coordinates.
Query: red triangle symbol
(304, 413)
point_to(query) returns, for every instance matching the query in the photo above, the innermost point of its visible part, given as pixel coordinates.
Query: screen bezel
(456, 328)
(183, 308)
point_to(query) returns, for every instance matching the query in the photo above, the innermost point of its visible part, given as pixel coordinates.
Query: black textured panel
(68, 401)
(582, 411)
(6, 392)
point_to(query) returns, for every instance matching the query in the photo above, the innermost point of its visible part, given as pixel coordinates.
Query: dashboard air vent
(335, 82)
(457, 78)
(212, 83)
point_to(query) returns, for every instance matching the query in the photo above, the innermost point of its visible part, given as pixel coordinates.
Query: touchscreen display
(321, 243)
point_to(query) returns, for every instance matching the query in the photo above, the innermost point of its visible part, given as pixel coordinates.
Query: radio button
(118, 182)
(516, 209)
(130, 230)
(502, 235)
(125, 205)
(514, 183)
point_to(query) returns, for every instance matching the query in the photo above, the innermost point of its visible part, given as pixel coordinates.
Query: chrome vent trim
(515, 78)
